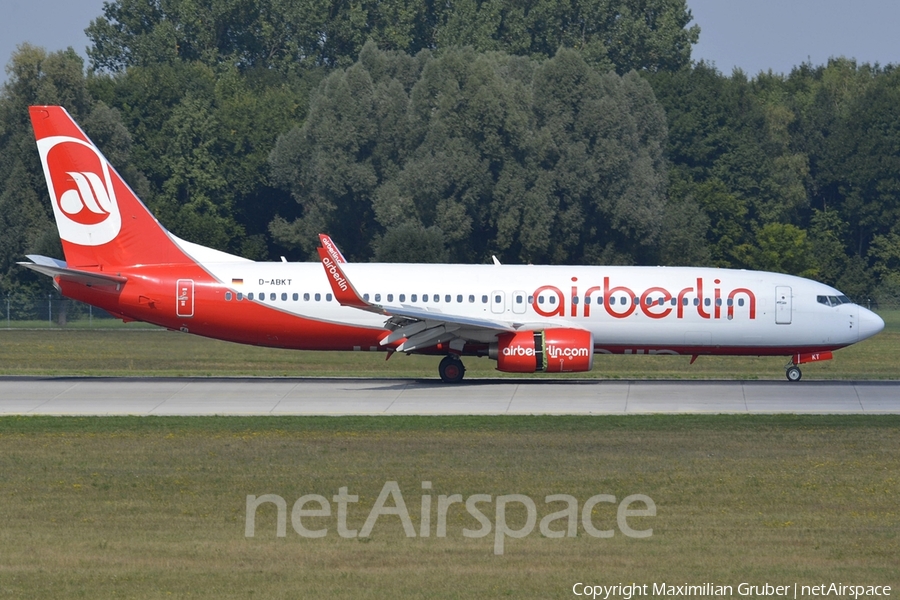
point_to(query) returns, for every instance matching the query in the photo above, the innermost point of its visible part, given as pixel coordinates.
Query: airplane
(528, 318)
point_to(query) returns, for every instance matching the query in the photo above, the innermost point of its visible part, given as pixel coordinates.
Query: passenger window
(661, 301)
(519, 299)
(484, 299)
(366, 297)
(306, 297)
(740, 301)
(730, 302)
(228, 296)
(540, 299)
(390, 297)
(706, 302)
(447, 298)
(437, 297)
(412, 297)
(250, 296)
(272, 296)
(262, 296)
(684, 301)
(424, 297)
(318, 297)
(240, 296)
(284, 296)
(498, 299)
(471, 298)
(402, 297)
(530, 299)
(587, 300)
(328, 297)
(377, 297)
(612, 300)
(696, 301)
(459, 298)
(296, 296)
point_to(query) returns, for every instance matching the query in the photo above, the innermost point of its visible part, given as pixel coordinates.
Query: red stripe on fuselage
(150, 295)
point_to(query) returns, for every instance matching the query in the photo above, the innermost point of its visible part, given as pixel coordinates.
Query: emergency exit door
(184, 298)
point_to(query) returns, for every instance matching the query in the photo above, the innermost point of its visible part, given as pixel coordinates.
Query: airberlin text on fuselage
(648, 300)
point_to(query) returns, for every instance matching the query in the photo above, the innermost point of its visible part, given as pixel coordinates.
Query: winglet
(343, 290)
(332, 249)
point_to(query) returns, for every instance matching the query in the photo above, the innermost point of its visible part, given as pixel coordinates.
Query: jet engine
(558, 350)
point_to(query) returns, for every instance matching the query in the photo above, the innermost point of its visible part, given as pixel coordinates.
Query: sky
(761, 35)
(754, 35)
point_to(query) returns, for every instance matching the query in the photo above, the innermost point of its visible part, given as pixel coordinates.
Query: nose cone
(869, 323)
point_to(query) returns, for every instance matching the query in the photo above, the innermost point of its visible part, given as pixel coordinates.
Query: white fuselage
(703, 309)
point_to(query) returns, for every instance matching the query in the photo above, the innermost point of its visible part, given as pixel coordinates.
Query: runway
(294, 396)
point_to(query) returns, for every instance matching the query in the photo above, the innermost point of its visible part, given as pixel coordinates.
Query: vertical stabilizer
(101, 222)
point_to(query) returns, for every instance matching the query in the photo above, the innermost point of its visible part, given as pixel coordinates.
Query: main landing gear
(451, 369)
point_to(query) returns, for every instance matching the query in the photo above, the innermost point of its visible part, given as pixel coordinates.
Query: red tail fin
(100, 220)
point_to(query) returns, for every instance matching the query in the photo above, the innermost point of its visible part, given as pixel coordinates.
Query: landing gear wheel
(451, 369)
(793, 373)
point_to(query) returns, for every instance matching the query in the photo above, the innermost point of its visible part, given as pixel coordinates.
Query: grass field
(135, 349)
(156, 507)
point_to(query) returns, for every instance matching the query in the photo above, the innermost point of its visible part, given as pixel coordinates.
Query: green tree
(26, 222)
(533, 160)
(867, 148)
(26, 219)
(782, 249)
(286, 36)
(884, 254)
(827, 234)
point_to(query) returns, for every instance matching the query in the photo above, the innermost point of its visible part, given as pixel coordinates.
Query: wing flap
(418, 314)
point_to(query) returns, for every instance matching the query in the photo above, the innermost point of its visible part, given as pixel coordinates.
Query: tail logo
(80, 183)
(90, 194)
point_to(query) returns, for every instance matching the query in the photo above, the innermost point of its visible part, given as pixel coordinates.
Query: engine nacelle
(551, 350)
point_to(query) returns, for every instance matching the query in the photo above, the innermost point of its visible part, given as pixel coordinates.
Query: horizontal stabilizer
(57, 268)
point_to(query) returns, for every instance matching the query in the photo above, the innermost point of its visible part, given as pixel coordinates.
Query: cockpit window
(833, 300)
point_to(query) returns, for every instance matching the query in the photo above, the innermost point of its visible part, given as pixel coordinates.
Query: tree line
(538, 131)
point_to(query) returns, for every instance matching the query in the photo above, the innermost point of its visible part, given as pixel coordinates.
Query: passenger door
(783, 306)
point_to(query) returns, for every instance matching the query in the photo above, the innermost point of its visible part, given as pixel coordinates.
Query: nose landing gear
(451, 369)
(792, 371)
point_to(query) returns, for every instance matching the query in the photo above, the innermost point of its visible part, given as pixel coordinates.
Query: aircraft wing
(420, 327)
(57, 268)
